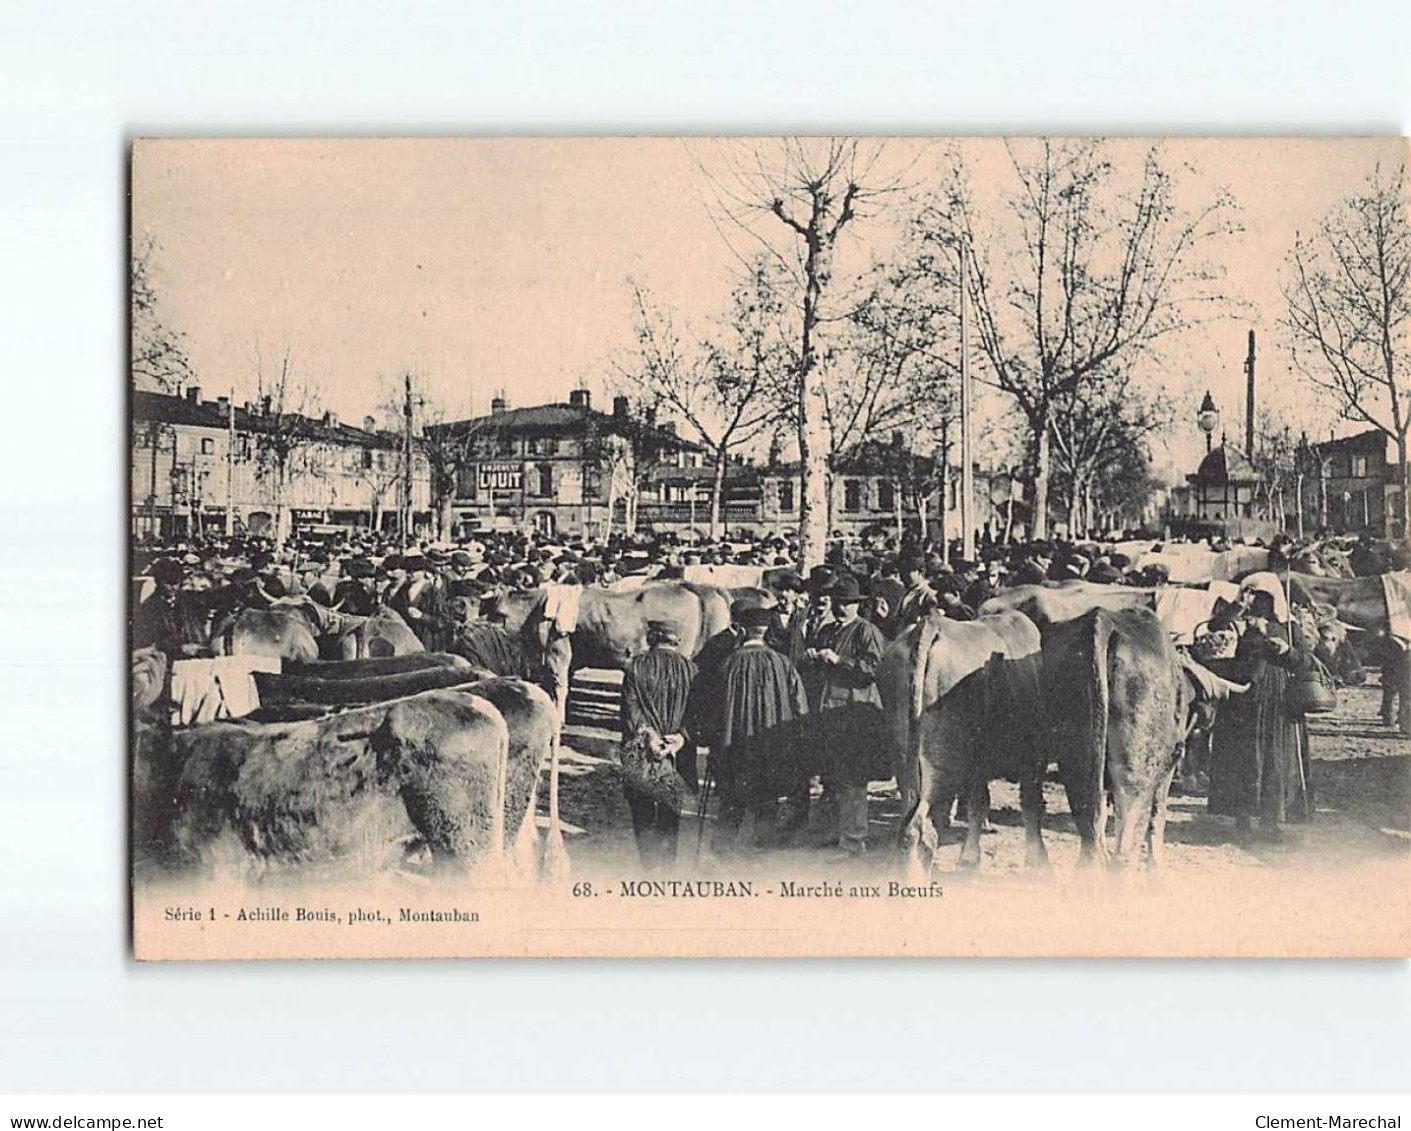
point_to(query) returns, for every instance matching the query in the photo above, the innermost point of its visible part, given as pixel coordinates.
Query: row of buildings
(1346, 485)
(564, 469)
(203, 466)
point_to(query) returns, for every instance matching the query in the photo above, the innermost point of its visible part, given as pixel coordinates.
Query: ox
(164, 769)
(963, 698)
(610, 627)
(1117, 712)
(320, 791)
(300, 629)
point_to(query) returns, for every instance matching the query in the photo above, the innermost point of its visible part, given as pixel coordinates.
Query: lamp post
(1208, 418)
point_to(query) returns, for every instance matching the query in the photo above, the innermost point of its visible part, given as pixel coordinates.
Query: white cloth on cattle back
(725, 576)
(1231, 563)
(630, 582)
(561, 606)
(204, 691)
(1396, 587)
(1182, 611)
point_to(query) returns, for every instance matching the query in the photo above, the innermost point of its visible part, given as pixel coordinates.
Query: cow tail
(926, 632)
(1099, 699)
(554, 863)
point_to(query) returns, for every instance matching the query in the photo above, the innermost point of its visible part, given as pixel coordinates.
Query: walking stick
(1300, 723)
(701, 811)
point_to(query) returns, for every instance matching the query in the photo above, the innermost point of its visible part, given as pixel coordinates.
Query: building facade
(558, 469)
(196, 462)
(1359, 488)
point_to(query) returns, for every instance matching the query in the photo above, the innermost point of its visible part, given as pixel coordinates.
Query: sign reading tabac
(1138, 702)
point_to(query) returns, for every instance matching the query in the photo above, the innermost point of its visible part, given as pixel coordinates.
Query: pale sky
(495, 263)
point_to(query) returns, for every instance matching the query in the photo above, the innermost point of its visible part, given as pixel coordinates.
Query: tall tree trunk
(816, 498)
(446, 517)
(945, 503)
(281, 526)
(717, 490)
(1043, 460)
(1089, 523)
(1402, 465)
(922, 506)
(1074, 499)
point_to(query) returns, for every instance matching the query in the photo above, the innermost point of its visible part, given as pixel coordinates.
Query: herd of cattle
(364, 746)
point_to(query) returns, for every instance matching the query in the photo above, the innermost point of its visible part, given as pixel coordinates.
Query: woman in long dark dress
(1259, 748)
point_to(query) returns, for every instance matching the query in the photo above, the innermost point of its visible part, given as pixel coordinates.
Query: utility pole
(967, 458)
(1249, 401)
(230, 470)
(407, 461)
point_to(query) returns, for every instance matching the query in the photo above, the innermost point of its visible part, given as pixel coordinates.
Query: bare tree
(159, 361)
(1349, 310)
(1094, 428)
(815, 188)
(1076, 278)
(723, 389)
(285, 437)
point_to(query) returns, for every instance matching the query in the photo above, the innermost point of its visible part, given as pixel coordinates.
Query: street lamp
(1208, 418)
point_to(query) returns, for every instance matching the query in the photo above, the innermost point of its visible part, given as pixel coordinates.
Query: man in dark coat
(656, 695)
(918, 598)
(356, 591)
(160, 621)
(758, 702)
(850, 728)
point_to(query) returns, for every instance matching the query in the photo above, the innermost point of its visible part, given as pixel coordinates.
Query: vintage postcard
(770, 547)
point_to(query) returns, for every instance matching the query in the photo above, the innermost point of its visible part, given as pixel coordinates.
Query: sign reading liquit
(500, 477)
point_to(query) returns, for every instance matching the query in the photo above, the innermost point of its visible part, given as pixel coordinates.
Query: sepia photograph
(769, 547)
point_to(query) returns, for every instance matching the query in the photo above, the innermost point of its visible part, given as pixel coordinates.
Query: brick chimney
(499, 404)
(619, 407)
(581, 398)
(193, 394)
(369, 424)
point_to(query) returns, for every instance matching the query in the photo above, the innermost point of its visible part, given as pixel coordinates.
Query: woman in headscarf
(1259, 748)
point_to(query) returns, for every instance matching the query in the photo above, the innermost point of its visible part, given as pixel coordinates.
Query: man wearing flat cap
(850, 723)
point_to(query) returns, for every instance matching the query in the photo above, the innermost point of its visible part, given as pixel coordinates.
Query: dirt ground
(1361, 784)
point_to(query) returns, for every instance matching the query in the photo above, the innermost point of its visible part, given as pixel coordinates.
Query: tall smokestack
(1249, 401)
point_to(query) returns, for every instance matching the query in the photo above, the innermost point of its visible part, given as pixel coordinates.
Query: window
(367, 458)
(546, 479)
(505, 445)
(886, 495)
(208, 446)
(852, 495)
(786, 496)
(1359, 467)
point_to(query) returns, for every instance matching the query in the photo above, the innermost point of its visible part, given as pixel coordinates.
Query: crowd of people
(786, 700)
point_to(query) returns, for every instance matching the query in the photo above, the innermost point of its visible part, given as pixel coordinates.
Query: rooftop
(1225, 465)
(191, 411)
(555, 418)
